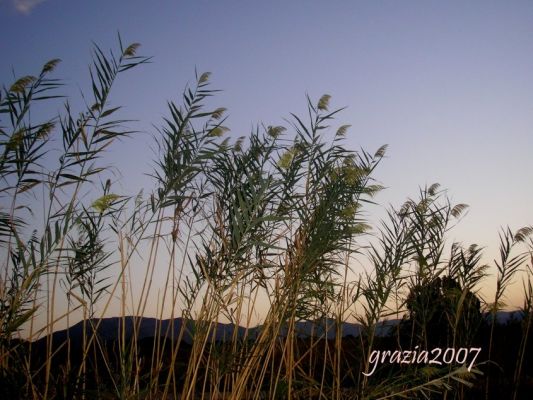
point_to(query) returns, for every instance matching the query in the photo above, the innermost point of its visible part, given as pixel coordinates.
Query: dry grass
(264, 225)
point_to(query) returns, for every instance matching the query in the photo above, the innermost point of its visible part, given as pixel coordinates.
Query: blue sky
(447, 85)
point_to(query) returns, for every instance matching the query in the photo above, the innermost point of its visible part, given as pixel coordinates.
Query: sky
(448, 85)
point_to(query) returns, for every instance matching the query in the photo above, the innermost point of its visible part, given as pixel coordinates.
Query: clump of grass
(267, 224)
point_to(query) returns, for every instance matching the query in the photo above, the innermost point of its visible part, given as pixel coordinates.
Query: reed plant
(234, 275)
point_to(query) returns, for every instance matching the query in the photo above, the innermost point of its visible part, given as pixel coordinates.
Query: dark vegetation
(230, 356)
(268, 223)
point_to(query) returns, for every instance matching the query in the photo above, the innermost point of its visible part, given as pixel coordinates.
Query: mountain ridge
(111, 327)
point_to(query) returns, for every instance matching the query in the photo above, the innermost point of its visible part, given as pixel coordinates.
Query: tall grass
(259, 229)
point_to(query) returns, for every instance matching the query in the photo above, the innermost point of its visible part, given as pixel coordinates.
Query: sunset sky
(447, 85)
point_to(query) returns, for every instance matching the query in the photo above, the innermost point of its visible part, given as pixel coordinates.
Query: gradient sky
(447, 85)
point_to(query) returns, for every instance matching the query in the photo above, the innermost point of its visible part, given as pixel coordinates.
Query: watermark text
(436, 356)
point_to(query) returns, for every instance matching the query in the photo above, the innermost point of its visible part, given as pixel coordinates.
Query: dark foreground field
(151, 355)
